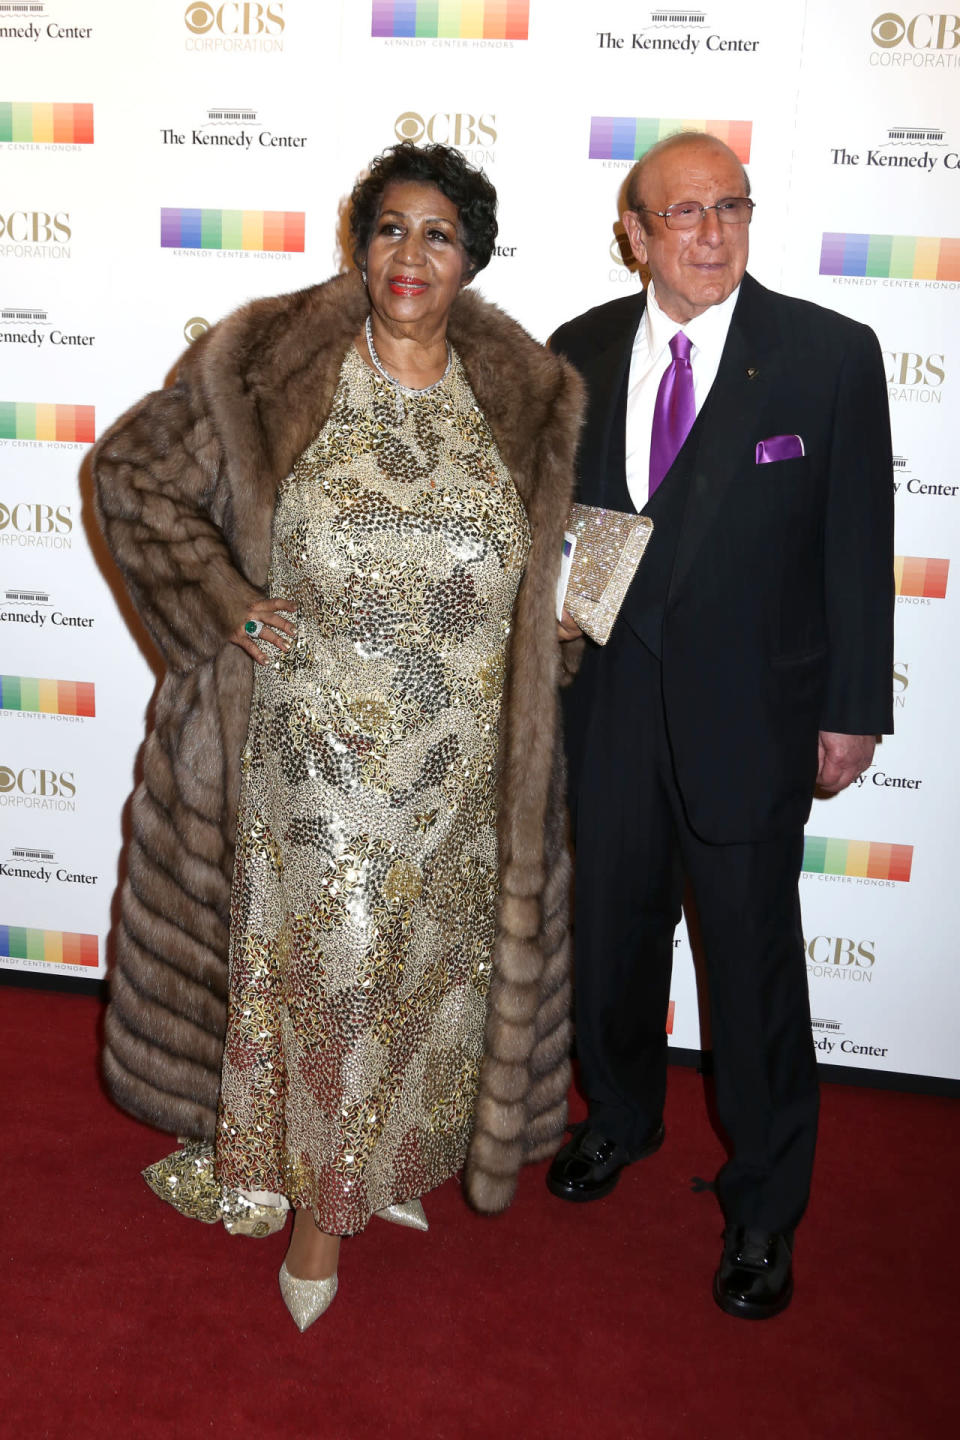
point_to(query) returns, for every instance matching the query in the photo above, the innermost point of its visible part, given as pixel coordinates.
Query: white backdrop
(111, 113)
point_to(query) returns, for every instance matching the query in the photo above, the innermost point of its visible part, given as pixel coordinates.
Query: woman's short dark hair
(462, 183)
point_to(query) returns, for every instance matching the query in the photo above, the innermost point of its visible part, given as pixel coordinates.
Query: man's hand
(568, 628)
(843, 758)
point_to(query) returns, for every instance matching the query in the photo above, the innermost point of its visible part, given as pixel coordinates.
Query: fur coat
(185, 485)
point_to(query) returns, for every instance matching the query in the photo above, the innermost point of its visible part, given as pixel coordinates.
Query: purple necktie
(674, 412)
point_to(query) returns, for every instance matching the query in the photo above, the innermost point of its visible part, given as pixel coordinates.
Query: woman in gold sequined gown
(364, 898)
(373, 511)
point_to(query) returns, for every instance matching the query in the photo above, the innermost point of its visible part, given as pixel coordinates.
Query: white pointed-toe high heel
(407, 1212)
(306, 1299)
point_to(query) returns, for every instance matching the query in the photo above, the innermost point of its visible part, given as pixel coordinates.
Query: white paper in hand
(569, 546)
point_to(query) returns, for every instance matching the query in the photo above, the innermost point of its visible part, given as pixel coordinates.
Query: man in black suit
(752, 659)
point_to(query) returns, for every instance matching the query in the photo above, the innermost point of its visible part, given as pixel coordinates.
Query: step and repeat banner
(163, 163)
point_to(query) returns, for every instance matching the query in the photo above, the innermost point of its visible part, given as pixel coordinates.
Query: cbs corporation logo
(901, 683)
(35, 234)
(30, 518)
(194, 328)
(33, 526)
(240, 17)
(39, 784)
(626, 267)
(921, 32)
(462, 129)
(914, 377)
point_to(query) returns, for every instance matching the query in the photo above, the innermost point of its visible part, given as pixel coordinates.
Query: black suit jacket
(779, 594)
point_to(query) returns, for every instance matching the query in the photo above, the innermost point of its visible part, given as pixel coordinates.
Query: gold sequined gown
(365, 890)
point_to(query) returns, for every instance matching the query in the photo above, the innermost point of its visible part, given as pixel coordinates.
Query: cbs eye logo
(194, 328)
(410, 126)
(621, 253)
(200, 18)
(888, 30)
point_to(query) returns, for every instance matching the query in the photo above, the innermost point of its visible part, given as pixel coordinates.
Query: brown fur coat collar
(186, 482)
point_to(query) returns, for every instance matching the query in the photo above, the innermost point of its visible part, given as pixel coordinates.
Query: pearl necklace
(381, 369)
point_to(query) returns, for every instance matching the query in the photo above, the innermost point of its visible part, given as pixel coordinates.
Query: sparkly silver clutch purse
(610, 545)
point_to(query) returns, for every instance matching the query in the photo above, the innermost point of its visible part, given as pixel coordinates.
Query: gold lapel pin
(752, 372)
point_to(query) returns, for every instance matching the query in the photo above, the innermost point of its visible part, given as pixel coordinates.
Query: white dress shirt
(707, 334)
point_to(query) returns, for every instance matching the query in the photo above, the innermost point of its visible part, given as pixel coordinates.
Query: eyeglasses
(687, 214)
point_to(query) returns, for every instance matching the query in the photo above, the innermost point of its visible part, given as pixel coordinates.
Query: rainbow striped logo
(40, 124)
(627, 139)
(451, 19)
(232, 229)
(53, 947)
(48, 697)
(867, 859)
(916, 575)
(891, 257)
(27, 420)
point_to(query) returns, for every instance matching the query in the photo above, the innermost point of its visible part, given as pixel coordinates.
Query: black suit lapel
(717, 445)
(603, 452)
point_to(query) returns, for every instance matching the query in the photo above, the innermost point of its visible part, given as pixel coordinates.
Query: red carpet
(120, 1318)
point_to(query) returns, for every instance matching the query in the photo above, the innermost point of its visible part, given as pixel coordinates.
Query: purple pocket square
(779, 447)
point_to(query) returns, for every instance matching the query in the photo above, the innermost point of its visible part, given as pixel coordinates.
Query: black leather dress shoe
(755, 1278)
(589, 1165)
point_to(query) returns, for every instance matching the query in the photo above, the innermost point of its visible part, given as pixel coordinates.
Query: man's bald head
(684, 139)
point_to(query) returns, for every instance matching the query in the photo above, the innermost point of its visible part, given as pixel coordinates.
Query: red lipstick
(407, 285)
